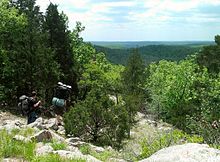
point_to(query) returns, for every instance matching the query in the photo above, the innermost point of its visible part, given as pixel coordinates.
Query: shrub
(97, 119)
(58, 145)
(166, 140)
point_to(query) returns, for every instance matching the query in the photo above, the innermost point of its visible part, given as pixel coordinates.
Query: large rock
(61, 130)
(52, 123)
(14, 160)
(42, 136)
(69, 154)
(10, 125)
(43, 150)
(96, 148)
(57, 137)
(191, 152)
(21, 138)
(75, 155)
(37, 124)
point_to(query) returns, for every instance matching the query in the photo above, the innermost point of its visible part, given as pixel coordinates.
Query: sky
(142, 20)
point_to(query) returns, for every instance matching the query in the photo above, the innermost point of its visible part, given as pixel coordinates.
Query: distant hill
(150, 53)
(134, 44)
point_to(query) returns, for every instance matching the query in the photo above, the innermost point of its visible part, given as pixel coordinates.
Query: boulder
(41, 136)
(43, 150)
(69, 154)
(9, 125)
(190, 152)
(37, 124)
(116, 160)
(90, 158)
(61, 130)
(52, 123)
(73, 139)
(14, 160)
(57, 137)
(21, 138)
(96, 148)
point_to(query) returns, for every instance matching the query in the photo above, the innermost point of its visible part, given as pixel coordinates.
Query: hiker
(33, 105)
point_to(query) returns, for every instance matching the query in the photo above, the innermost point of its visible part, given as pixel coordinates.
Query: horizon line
(149, 41)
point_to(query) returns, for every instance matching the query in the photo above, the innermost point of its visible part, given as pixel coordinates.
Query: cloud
(114, 17)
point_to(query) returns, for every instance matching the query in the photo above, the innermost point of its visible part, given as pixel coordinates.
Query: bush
(166, 140)
(97, 119)
(58, 145)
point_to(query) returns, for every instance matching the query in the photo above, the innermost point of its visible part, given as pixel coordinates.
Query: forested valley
(149, 53)
(177, 84)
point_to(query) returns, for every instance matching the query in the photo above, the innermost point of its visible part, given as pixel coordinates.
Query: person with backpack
(33, 105)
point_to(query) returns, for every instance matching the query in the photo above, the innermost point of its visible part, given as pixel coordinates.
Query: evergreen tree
(11, 26)
(59, 39)
(210, 57)
(34, 65)
(132, 81)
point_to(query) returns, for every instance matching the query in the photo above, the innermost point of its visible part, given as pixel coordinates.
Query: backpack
(24, 104)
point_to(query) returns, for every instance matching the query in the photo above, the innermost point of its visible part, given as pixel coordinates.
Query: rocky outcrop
(11, 124)
(43, 149)
(190, 152)
(21, 138)
(75, 155)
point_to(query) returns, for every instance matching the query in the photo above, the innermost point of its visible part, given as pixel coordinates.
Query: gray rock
(52, 123)
(72, 149)
(116, 160)
(73, 139)
(61, 130)
(90, 158)
(38, 124)
(43, 135)
(21, 138)
(96, 148)
(46, 149)
(75, 155)
(57, 137)
(9, 125)
(77, 144)
(69, 154)
(191, 152)
(14, 160)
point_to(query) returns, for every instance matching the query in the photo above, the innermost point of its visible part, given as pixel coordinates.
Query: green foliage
(54, 158)
(58, 145)
(26, 132)
(149, 53)
(132, 85)
(150, 146)
(104, 156)
(97, 119)
(209, 57)
(185, 95)
(13, 148)
(85, 149)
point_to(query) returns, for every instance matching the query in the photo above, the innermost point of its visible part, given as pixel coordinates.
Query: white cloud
(154, 14)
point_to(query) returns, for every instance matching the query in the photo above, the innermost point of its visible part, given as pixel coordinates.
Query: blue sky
(142, 20)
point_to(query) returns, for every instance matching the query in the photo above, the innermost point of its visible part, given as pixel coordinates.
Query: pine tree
(132, 81)
(59, 39)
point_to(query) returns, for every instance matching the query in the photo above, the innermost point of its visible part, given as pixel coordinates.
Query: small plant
(12, 148)
(26, 132)
(85, 149)
(58, 145)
